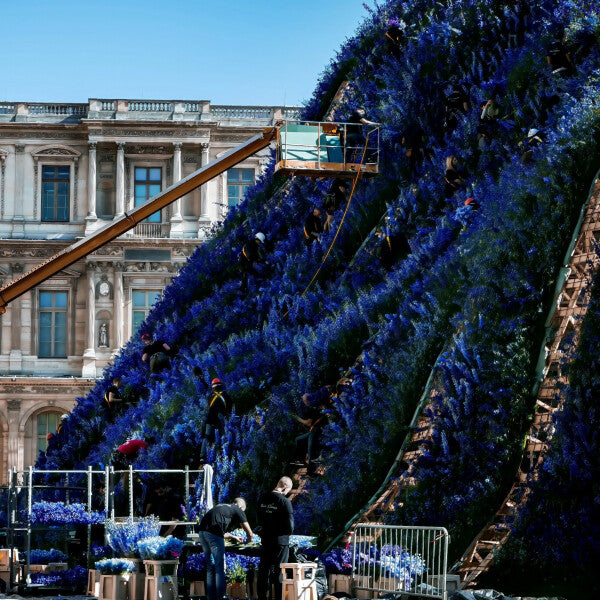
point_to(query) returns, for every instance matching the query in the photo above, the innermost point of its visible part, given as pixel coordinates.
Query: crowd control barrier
(399, 559)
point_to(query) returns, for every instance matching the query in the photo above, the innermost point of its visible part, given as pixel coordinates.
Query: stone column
(15, 361)
(25, 328)
(118, 307)
(176, 219)
(6, 330)
(91, 216)
(203, 189)
(89, 356)
(14, 410)
(204, 219)
(18, 225)
(120, 201)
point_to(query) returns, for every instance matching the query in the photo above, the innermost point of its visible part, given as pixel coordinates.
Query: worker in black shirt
(533, 140)
(313, 227)
(157, 353)
(252, 253)
(165, 503)
(558, 58)
(112, 397)
(314, 421)
(453, 177)
(412, 141)
(354, 139)
(219, 408)
(276, 520)
(394, 38)
(457, 104)
(214, 528)
(488, 122)
(335, 198)
(391, 247)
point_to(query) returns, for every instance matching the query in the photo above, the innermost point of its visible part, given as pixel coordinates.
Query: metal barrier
(399, 559)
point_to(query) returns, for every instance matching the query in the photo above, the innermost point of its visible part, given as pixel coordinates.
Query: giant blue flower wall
(473, 291)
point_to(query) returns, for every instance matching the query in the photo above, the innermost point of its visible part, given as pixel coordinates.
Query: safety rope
(354, 182)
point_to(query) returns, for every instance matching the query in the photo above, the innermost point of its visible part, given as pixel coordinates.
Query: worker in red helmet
(219, 408)
(472, 203)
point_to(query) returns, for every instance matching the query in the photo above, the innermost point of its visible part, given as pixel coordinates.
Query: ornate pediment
(56, 151)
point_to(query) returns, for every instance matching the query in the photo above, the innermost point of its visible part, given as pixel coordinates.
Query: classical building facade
(65, 171)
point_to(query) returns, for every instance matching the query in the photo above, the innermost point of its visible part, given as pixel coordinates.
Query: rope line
(354, 182)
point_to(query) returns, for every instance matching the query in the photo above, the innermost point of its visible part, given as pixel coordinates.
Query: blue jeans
(309, 436)
(214, 548)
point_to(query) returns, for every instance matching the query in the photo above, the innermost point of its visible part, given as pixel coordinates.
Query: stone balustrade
(158, 110)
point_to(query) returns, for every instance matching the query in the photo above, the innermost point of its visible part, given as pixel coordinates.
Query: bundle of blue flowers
(159, 548)
(70, 578)
(43, 557)
(58, 513)
(115, 566)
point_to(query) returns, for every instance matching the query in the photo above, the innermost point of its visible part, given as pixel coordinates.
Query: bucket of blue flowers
(114, 578)
(193, 570)
(236, 575)
(338, 567)
(161, 558)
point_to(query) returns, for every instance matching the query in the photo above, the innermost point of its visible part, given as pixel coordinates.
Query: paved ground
(17, 597)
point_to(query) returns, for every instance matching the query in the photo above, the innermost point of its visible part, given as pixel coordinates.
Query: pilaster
(120, 180)
(118, 306)
(177, 219)
(89, 356)
(91, 183)
(15, 457)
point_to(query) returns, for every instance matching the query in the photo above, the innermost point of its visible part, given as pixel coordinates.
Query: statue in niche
(103, 335)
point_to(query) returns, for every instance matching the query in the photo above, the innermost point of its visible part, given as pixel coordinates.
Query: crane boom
(67, 256)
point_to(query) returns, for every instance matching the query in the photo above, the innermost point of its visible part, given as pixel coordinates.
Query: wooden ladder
(569, 310)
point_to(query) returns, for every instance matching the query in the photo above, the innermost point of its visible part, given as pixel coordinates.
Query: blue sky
(225, 51)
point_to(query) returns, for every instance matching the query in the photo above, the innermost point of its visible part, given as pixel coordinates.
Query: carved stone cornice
(44, 135)
(141, 132)
(43, 386)
(108, 251)
(27, 252)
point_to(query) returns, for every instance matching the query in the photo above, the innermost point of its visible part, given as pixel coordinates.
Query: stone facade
(65, 171)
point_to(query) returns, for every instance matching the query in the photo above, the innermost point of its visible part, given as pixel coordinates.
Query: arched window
(38, 426)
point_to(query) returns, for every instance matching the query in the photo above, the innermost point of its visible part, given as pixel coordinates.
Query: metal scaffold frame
(22, 492)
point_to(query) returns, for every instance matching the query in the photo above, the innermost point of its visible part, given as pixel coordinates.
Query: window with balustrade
(238, 181)
(142, 302)
(56, 183)
(52, 331)
(148, 183)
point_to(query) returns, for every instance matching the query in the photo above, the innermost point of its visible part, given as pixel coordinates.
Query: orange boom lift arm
(129, 220)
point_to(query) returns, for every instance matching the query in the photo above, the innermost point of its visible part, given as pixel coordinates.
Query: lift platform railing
(129, 220)
(326, 149)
